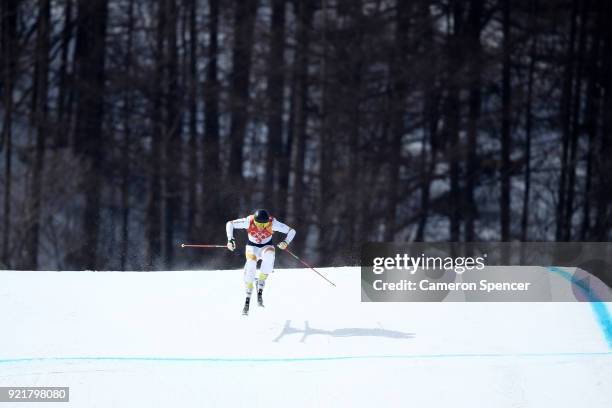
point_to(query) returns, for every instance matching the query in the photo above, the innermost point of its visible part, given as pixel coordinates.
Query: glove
(231, 244)
(283, 245)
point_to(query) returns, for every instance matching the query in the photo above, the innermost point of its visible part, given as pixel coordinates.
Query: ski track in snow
(178, 339)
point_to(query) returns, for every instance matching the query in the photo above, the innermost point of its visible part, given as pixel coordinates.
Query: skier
(260, 227)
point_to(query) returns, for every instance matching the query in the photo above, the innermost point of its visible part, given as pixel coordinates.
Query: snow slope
(177, 339)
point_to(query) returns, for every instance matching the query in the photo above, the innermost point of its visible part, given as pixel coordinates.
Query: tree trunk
(592, 115)
(172, 138)
(192, 199)
(275, 88)
(453, 111)
(125, 148)
(506, 126)
(154, 215)
(565, 116)
(528, 135)
(40, 121)
(211, 202)
(603, 216)
(89, 64)
(244, 22)
(9, 58)
(474, 24)
(398, 110)
(304, 17)
(575, 125)
(354, 177)
(430, 122)
(63, 101)
(284, 163)
(326, 151)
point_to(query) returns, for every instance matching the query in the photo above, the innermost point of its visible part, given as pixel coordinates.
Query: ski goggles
(261, 225)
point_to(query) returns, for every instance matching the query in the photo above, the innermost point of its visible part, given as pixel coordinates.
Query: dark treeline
(129, 126)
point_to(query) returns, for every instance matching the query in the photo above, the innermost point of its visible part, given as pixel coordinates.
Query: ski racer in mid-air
(260, 227)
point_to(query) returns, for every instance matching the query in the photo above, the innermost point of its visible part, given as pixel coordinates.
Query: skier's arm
(280, 227)
(240, 223)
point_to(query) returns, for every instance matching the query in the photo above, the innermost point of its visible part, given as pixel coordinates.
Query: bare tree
(41, 123)
(9, 67)
(399, 89)
(244, 22)
(90, 83)
(506, 128)
(300, 100)
(275, 89)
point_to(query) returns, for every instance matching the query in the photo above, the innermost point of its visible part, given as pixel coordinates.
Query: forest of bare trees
(130, 126)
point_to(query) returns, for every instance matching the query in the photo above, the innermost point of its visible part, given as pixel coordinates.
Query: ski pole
(308, 266)
(202, 246)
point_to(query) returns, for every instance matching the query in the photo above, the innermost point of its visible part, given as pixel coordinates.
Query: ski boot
(245, 311)
(260, 297)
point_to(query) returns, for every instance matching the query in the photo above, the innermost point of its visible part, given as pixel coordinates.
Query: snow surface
(177, 339)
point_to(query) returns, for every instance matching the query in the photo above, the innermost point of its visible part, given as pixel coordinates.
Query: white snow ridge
(178, 339)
